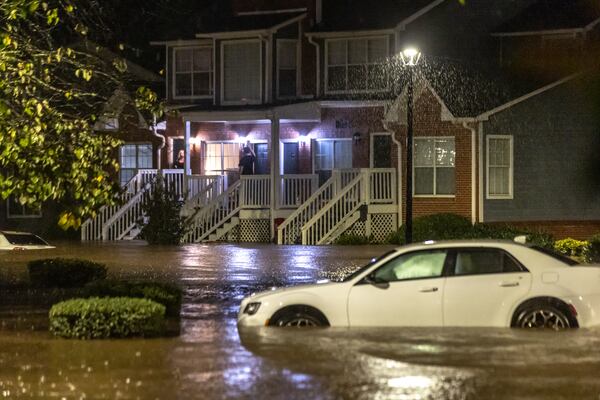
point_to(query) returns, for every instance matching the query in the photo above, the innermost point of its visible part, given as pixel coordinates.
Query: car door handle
(509, 284)
(428, 289)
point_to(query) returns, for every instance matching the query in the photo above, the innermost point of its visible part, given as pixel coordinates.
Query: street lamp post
(410, 58)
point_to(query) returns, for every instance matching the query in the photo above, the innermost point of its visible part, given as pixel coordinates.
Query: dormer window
(193, 73)
(355, 65)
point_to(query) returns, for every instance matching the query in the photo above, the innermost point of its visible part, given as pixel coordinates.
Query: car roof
(460, 243)
(16, 233)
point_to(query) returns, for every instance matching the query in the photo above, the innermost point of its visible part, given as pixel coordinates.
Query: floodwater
(211, 360)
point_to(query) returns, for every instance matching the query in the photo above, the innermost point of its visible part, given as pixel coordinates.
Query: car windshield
(555, 255)
(24, 239)
(364, 267)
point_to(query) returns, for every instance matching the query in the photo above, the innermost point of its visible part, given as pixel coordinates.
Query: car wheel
(542, 315)
(298, 317)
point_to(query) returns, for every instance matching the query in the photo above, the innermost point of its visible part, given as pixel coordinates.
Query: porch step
(344, 226)
(224, 230)
(132, 234)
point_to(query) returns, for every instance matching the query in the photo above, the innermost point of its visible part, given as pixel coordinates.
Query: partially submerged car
(479, 283)
(10, 240)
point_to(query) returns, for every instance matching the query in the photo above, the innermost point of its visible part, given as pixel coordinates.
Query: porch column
(275, 171)
(187, 165)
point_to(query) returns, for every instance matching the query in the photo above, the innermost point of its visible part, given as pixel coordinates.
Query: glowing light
(429, 242)
(410, 56)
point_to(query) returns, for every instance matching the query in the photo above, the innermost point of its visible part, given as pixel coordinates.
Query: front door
(290, 158)
(381, 151)
(261, 166)
(413, 297)
(482, 288)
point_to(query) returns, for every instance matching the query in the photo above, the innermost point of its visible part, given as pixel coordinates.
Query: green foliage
(578, 249)
(64, 272)
(51, 95)
(453, 227)
(116, 317)
(162, 293)
(444, 226)
(353, 239)
(165, 225)
(594, 250)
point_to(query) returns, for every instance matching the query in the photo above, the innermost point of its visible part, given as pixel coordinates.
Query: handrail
(330, 217)
(213, 215)
(204, 196)
(295, 189)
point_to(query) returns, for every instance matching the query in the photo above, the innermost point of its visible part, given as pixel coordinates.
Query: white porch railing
(382, 186)
(320, 227)
(202, 189)
(255, 191)
(212, 216)
(296, 189)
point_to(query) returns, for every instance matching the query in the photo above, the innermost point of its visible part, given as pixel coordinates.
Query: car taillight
(18, 248)
(573, 310)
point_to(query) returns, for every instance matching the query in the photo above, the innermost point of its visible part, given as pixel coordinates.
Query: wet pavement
(211, 360)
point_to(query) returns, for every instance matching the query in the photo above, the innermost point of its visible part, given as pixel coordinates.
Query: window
(484, 261)
(221, 157)
(14, 209)
(333, 154)
(287, 67)
(133, 157)
(417, 265)
(356, 65)
(242, 72)
(434, 167)
(193, 72)
(499, 167)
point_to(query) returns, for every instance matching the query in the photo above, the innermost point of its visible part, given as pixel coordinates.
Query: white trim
(21, 216)
(352, 103)
(347, 65)
(418, 14)
(480, 172)
(260, 72)
(350, 34)
(435, 167)
(251, 33)
(269, 12)
(573, 31)
(511, 103)
(510, 194)
(278, 42)
(314, 152)
(372, 146)
(210, 71)
(180, 42)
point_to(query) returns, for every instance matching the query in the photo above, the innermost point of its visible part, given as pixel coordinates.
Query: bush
(162, 293)
(353, 239)
(573, 248)
(508, 232)
(116, 317)
(165, 225)
(594, 249)
(64, 272)
(435, 227)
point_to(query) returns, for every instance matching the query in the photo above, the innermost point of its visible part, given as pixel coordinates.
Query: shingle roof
(352, 15)
(546, 15)
(247, 22)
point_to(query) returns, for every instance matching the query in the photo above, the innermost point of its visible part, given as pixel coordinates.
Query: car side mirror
(371, 280)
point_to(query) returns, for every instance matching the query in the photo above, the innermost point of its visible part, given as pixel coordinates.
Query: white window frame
(347, 39)
(372, 147)
(9, 215)
(279, 42)
(211, 72)
(137, 152)
(221, 142)
(314, 152)
(414, 181)
(510, 194)
(260, 72)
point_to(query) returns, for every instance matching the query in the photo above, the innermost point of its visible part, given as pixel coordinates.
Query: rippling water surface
(211, 360)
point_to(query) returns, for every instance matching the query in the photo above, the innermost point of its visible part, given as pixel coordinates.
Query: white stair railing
(255, 191)
(296, 189)
(201, 191)
(382, 186)
(320, 228)
(127, 218)
(92, 228)
(213, 215)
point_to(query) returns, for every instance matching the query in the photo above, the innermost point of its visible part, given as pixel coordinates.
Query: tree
(54, 84)
(164, 225)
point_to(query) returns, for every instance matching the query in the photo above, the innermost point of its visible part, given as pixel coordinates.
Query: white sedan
(454, 283)
(22, 241)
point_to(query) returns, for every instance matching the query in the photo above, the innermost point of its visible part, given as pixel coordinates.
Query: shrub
(435, 227)
(116, 317)
(162, 293)
(594, 249)
(165, 225)
(353, 239)
(64, 272)
(573, 248)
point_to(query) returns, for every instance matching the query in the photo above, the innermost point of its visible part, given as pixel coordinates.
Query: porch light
(356, 138)
(410, 57)
(241, 139)
(194, 141)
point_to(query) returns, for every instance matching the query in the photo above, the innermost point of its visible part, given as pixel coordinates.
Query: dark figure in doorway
(179, 162)
(247, 162)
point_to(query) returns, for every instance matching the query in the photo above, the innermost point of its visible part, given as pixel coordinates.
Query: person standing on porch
(180, 160)
(247, 162)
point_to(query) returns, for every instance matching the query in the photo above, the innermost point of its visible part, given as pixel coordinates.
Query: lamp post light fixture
(410, 58)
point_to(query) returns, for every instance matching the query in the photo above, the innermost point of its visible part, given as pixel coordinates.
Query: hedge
(162, 293)
(64, 272)
(97, 318)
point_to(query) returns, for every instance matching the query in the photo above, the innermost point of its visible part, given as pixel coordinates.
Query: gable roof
(553, 15)
(251, 22)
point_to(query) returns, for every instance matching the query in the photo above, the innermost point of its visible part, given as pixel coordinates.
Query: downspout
(318, 50)
(399, 180)
(481, 219)
(163, 142)
(473, 173)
